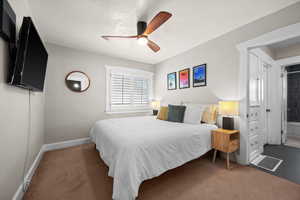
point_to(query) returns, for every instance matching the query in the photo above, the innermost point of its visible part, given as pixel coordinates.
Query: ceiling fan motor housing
(143, 30)
(141, 27)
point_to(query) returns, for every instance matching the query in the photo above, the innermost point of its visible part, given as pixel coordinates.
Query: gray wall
(269, 51)
(222, 60)
(70, 115)
(14, 122)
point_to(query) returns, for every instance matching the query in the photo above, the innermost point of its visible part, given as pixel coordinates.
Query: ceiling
(79, 24)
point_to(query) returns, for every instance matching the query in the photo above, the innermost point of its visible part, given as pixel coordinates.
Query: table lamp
(228, 109)
(155, 107)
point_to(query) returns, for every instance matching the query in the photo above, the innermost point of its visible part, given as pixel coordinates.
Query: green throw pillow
(176, 113)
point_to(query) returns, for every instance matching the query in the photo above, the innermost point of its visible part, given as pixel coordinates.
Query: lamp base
(228, 123)
(155, 112)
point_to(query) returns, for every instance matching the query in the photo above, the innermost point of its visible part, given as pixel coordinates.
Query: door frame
(266, 100)
(284, 105)
(284, 63)
(278, 35)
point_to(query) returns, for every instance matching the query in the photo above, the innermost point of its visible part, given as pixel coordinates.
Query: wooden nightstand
(227, 141)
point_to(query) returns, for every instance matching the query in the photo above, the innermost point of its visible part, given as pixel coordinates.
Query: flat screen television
(31, 59)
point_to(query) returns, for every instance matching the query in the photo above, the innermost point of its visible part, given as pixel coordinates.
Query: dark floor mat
(267, 162)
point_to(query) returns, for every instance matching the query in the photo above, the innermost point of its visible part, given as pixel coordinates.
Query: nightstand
(227, 141)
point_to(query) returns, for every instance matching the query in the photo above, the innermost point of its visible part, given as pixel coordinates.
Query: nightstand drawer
(233, 145)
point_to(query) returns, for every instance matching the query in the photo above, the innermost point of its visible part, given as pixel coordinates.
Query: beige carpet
(78, 173)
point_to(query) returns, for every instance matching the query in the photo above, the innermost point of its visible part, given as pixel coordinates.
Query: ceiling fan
(143, 30)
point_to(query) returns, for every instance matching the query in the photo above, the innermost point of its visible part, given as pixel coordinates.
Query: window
(128, 90)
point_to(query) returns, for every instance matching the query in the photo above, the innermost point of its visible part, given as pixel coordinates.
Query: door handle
(268, 110)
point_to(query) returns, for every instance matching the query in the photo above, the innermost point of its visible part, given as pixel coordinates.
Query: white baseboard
(46, 147)
(19, 194)
(66, 144)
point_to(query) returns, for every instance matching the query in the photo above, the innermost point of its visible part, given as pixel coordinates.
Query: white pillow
(193, 113)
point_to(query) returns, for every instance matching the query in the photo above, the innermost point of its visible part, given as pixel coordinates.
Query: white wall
(70, 115)
(222, 60)
(293, 129)
(14, 121)
(285, 52)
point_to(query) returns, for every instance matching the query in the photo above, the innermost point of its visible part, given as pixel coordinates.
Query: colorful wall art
(199, 75)
(184, 78)
(172, 83)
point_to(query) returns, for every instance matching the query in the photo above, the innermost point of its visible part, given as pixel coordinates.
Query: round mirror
(77, 81)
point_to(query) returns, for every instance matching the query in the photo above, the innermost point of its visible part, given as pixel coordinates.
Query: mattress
(140, 148)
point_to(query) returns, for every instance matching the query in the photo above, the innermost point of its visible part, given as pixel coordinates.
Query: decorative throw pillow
(176, 113)
(210, 114)
(163, 113)
(193, 113)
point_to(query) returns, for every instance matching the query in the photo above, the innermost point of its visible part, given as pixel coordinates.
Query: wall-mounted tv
(7, 22)
(31, 59)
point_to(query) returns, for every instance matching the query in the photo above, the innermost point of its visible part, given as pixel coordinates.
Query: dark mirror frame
(81, 73)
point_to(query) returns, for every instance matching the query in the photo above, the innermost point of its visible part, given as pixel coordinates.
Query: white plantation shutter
(141, 91)
(121, 88)
(128, 90)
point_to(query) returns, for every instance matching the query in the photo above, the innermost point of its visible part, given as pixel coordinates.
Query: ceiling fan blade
(107, 37)
(153, 46)
(157, 21)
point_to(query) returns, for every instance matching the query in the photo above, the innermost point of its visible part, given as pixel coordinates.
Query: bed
(140, 148)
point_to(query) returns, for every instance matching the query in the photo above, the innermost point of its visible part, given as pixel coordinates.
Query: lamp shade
(230, 108)
(155, 105)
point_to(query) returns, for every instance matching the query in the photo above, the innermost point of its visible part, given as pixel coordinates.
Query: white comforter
(140, 148)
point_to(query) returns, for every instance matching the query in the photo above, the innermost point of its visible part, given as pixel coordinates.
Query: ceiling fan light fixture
(144, 30)
(143, 41)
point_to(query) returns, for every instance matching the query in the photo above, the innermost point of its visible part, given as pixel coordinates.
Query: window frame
(133, 73)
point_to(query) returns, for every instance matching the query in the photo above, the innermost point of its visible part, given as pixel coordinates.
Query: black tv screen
(31, 59)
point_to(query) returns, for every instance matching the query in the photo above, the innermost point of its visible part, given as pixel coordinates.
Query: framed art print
(184, 78)
(172, 82)
(199, 75)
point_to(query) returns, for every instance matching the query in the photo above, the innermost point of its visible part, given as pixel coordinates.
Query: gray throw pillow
(176, 113)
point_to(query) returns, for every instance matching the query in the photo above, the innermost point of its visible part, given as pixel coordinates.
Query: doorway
(292, 110)
(279, 35)
(274, 94)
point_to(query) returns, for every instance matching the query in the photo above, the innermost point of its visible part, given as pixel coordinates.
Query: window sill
(128, 112)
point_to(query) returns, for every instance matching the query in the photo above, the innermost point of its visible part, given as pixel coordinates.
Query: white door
(265, 101)
(284, 106)
(255, 101)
